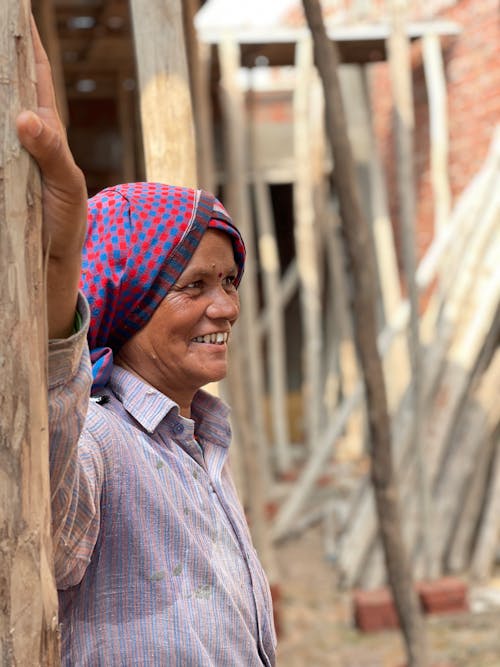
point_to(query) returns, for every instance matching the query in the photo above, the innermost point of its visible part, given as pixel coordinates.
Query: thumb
(41, 141)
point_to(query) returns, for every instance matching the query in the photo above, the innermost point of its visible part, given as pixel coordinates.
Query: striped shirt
(154, 561)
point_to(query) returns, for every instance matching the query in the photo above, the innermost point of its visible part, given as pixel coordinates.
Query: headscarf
(140, 237)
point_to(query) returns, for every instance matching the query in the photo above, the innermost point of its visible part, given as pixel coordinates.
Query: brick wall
(472, 68)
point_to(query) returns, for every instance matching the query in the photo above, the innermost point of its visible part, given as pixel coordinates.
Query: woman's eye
(229, 281)
(194, 285)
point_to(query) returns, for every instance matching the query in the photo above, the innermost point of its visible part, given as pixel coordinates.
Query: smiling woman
(154, 561)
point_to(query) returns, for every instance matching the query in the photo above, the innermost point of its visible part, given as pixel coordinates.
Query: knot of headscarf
(140, 238)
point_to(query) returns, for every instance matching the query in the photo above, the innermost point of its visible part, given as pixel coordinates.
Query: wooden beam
(28, 609)
(165, 100)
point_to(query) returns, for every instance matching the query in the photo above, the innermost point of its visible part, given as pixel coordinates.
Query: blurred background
(224, 95)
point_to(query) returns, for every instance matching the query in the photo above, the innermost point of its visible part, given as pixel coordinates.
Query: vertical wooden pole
(28, 609)
(436, 93)
(361, 255)
(165, 100)
(237, 199)
(400, 69)
(306, 246)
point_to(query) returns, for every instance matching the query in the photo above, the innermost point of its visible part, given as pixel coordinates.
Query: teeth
(214, 338)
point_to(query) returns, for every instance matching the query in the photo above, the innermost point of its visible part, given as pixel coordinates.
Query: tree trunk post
(28, 609)
(361, 255)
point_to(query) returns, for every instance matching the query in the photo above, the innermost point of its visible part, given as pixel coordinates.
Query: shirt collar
(144, 403)
(149, 407)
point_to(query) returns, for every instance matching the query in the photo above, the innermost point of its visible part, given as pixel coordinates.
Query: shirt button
(179, 428)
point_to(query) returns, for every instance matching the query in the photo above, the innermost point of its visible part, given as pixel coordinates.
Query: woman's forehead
(214, 253)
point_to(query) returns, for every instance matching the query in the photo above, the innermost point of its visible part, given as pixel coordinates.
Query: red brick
(442, 596)
(374, 610)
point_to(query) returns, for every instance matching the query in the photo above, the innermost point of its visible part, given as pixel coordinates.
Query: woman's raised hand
(64, 196)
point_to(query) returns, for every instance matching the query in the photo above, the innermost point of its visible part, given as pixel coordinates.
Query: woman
(153, 558)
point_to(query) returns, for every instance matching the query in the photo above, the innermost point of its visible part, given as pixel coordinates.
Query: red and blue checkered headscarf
(140, 238)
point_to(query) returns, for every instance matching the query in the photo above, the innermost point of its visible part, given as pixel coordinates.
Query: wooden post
(361, 254)
(28, 609)
(167, 122)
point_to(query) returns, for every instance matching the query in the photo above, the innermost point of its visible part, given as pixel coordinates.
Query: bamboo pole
(28, 609)
(436, 94)
(306, 247)
(400, 69)
(165, 100)
(361, 255)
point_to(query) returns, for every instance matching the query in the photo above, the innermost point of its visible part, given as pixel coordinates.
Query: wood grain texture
(28, 609)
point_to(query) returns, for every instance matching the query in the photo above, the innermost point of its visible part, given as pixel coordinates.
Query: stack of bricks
(375, 610)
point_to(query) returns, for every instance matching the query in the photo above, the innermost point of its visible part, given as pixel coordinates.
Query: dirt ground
(317, 628)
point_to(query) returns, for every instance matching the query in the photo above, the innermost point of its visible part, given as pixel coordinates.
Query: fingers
(44, 143)
(44, 86)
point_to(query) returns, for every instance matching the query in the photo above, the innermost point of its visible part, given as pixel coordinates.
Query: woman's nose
(223, 304)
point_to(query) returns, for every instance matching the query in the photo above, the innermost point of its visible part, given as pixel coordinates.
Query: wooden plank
(165, 100)
(28, 609)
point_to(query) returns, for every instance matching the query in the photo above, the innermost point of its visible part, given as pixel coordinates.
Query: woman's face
(184, 344)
